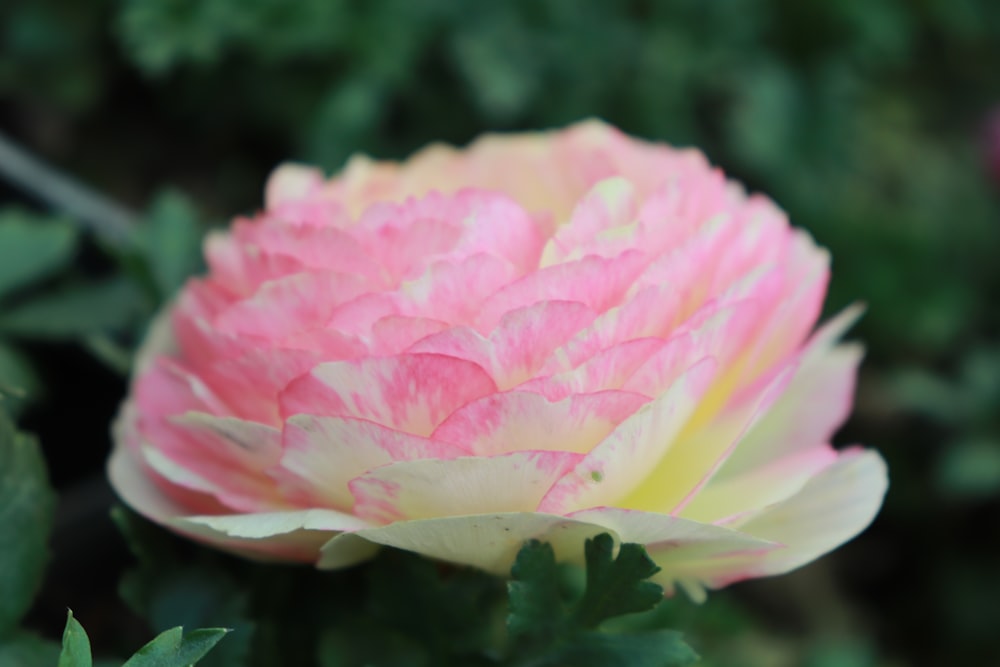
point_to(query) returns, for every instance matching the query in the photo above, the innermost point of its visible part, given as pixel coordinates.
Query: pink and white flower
(541, 336)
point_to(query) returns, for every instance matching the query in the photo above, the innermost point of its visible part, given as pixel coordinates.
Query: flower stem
(104, 217)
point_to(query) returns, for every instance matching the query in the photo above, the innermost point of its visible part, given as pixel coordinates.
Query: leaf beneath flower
(26, 506)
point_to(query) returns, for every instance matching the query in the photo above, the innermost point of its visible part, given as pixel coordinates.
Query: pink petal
(248, 444)
(393, 334)
(196, 308)
(517, 420)
(720, 333)
(236, 489)
(313, 248)
(649, 313)
(608, 369)
(518, 346)
(798, 309)
(405, 239)
(357, 317)
(239, 268)
(496, 224)
(454, 291)
(288, 305)
(322, 454)
(623, 459)
(141, 487)
(609, 204)
(597, 282)
(409, 392)
(816, 402)
(250, 384)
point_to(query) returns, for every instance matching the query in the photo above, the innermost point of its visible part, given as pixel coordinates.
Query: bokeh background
(872, 122)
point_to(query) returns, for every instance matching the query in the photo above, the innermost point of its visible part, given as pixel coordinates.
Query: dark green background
(867, 120)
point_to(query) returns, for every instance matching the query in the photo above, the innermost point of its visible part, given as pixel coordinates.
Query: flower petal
(623, 459)
(291, 182)
(322, 454)
(293, 535)
(728, 498)
(699, 451)
(291, 304)
(609, 204)
(816, 402)
(689, 553)
(831, 508)
(597, 282)
(519, 345)
(486, 541)
(516, 420)
(408, 392)
(428, 488)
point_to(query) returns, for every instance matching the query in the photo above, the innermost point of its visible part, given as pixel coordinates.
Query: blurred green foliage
(862, 118)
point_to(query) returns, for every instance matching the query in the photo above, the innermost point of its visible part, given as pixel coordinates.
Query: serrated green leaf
(536, 606)
(171, 240)
(75, 312)
(173, 648)
(616, 586)
(75, 645)
(547, 629)
(32, 247)
(26, 506)
(23, 649)
(661, 648)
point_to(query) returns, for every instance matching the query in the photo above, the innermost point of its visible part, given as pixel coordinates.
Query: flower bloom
(541, 336)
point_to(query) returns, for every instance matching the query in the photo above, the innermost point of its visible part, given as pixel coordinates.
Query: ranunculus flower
(541, 336)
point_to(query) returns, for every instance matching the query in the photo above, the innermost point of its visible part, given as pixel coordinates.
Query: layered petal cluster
(540, 336)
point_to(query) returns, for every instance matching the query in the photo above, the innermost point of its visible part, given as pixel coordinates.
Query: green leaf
(616, 586)
(26, 507)
(170, 590)
(550, 626)
(75, 312)
(23, 649)
(32, 247)
(660, 648)
(171, 241)
(18, 382)
(382, 629)
(970, 469)
(537, 610)
(203, 596)
(175, 649)
(347, 647)
(75, 645)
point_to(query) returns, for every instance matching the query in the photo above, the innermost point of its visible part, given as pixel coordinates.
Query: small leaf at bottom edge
(75, 645)
(172, 648)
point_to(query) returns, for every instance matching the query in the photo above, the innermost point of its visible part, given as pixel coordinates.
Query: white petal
(487, 541)
(830, 509)
(429, 488)
(688, 552)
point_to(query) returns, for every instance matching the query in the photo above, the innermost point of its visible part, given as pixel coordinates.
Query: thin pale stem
(104, 217)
